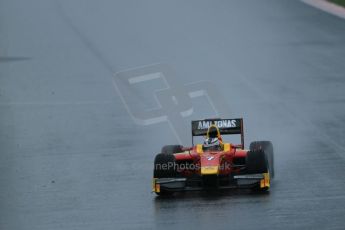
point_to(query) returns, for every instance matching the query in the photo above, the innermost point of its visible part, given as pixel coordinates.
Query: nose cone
(209, 164)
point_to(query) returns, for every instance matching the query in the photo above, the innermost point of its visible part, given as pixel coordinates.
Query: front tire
(256, 163)
(267, 147)
(165, 167)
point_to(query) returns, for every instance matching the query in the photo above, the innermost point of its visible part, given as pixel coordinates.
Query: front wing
(192, 184)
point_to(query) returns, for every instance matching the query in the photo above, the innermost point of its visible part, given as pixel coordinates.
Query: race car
(214, 164)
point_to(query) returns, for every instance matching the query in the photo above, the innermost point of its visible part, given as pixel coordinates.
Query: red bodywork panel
(196, 158)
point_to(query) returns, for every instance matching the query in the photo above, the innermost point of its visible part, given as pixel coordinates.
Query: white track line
(327, 7)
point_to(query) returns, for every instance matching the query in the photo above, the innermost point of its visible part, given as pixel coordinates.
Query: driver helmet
(213, 132)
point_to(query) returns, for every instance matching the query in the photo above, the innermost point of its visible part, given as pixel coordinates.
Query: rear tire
(267, 147)
(171, 149)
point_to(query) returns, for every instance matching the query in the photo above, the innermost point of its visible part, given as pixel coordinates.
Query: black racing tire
(256, 162)
(267, 147)
(171, 149)
(164, 167)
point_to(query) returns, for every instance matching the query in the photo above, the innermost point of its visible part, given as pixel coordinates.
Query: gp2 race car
(200, 167)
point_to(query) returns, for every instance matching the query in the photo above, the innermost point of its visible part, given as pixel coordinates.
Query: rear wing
(226, 127)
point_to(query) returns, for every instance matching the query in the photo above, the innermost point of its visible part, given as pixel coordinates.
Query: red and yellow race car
(214, 164)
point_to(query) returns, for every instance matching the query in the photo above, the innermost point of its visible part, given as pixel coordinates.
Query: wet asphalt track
(72, 158)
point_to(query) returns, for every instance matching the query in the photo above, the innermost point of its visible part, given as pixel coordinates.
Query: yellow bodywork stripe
(199, 148)
(227, 147)
(209, 170)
